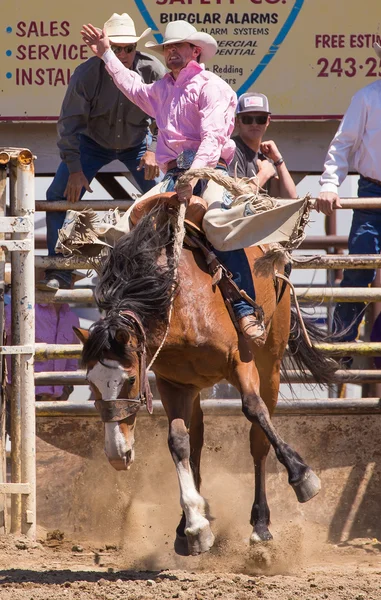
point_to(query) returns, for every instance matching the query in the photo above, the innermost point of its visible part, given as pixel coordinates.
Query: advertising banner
(308, 56)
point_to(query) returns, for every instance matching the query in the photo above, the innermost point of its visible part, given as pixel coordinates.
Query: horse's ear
(82, 334)
(122, 337)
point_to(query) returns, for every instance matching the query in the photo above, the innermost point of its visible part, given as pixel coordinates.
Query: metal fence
(18, 163)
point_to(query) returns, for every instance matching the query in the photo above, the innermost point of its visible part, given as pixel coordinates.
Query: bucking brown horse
(138, 284)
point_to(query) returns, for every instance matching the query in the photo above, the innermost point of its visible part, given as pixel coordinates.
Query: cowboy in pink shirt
(194, 110)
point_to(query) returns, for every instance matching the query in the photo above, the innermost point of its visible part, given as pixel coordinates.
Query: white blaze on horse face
(109, 378)
(119, 450)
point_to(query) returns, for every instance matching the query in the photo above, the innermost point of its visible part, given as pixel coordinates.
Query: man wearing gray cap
(253, 157)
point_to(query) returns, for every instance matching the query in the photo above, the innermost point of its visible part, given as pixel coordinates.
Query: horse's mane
(138, 274)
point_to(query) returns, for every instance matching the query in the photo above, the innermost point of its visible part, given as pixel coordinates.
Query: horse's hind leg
(178, 403)
(260, 512)
(269, 370)
(196, 438)
(304, 482)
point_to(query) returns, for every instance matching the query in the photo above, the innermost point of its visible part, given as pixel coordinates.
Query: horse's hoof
(181, 545)
(200, 542)
(260, 537)
(307, 487)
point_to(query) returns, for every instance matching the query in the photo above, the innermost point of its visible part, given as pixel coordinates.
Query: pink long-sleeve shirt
(193, 112)
(51, 328)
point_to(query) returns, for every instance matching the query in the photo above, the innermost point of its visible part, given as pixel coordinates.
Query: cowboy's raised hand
(95, 39)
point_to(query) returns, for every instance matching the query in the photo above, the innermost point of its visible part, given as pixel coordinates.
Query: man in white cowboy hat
(97, 125)
(195, 112)
(356, 146)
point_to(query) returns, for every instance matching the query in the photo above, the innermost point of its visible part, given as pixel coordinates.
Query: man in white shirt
(356, 146)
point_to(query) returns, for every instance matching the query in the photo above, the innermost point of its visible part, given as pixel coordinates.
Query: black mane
(138, 274)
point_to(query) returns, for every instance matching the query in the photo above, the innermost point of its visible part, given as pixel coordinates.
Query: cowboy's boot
(253, 330)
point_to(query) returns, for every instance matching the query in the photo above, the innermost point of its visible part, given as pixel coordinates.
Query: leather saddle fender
(195, 212)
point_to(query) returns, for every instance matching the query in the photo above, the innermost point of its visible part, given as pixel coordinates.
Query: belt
(172, 164)
(372, 180)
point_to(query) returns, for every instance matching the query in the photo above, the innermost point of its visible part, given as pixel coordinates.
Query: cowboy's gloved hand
(95, 39)
(149, 164)
(326, 202)
(266, 171)
(185, 190)
(74, 186)
(270, 150)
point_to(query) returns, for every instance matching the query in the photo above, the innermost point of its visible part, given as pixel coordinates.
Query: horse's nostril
(128, 456)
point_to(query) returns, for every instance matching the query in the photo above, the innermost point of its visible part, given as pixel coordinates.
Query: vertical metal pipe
(15, 364)
(330, 229)
(375, 388)
(25, 207)
(3, 456)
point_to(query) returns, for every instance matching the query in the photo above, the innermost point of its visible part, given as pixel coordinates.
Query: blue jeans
(234, 260)
(93, 158)
(364, 238)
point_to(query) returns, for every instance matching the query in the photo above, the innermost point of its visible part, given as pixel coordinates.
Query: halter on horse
(202, 348)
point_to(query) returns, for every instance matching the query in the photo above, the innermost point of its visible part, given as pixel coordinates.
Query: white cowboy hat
(120, 29)
(182, 31)
(377, 49)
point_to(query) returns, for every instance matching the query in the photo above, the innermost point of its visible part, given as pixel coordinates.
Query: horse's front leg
(196, 438)
(178, 403)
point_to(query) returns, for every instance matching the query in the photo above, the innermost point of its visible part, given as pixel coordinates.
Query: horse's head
(112, 356)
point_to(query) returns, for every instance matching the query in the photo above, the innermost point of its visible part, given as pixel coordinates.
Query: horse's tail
(304, 357)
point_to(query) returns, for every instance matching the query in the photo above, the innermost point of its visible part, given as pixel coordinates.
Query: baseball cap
(252, 102)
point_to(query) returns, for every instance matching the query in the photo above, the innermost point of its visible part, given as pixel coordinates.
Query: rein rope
(239, 188)
(179, 234)
(297, 306)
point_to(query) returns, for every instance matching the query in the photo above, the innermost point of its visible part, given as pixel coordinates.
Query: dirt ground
(65, 568)
(118, 527)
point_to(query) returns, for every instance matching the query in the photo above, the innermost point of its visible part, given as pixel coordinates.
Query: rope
(241, 189)
(305, 332)
(179, 234)
(304, 261)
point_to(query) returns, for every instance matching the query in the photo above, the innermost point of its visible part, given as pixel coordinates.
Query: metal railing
(18, 164)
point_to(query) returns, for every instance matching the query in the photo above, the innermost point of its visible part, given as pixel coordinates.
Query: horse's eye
(132, 379)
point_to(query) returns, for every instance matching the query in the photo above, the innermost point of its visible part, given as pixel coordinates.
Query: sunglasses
(127, 49)
(250, 119)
